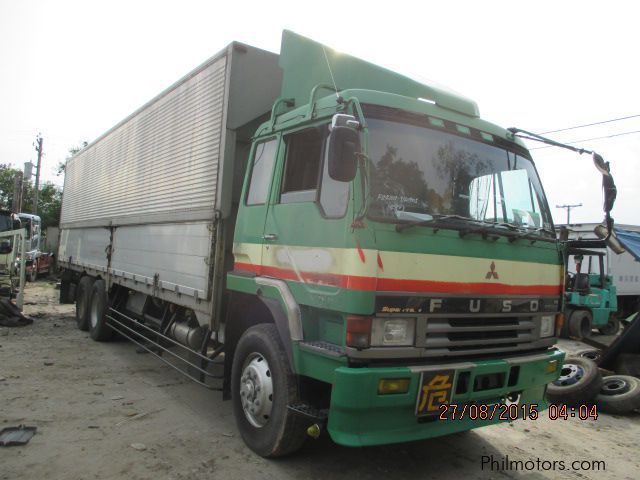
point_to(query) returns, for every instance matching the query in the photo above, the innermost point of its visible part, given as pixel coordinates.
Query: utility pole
(569, 207)
(17, 193)
(38, 146)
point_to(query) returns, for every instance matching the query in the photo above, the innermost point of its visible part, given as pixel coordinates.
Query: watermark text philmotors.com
(504, 464)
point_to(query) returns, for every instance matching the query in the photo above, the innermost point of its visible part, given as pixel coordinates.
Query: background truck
(13, 244)
(38, 262)
(623, 269)
(333, 245)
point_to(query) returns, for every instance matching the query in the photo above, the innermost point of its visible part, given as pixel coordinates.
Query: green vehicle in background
(360, 253)
(590, 295)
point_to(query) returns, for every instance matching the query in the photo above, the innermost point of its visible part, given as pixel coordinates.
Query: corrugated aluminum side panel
(160, 164)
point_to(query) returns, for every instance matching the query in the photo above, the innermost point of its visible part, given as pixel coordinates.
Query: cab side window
(263, 159)
(303, 160)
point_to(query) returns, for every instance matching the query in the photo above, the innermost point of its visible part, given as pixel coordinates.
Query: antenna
(330, 72)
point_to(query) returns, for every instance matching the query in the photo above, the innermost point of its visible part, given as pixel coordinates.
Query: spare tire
(619, 394)
(592, 354)
(579, 382)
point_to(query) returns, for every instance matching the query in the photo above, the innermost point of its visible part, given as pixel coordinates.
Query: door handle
(270, 236)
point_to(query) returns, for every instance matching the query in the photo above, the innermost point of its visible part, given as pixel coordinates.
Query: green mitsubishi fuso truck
(335, 247)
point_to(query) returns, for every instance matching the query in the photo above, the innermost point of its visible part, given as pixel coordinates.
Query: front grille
(478, 335)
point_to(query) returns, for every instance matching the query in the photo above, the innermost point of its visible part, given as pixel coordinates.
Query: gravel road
(104, 411)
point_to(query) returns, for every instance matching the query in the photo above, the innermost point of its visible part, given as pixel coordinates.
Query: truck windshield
(5, 223)
(420, 173)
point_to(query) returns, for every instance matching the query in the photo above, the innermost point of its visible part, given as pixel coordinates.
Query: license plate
(435, 390)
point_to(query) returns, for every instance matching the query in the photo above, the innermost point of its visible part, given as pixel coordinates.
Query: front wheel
(262, 387)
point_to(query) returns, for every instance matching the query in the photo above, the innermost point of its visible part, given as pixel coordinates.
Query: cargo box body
(149, 204)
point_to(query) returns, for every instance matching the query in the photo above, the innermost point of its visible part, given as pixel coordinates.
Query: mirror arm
(354, 103)
(602, 166)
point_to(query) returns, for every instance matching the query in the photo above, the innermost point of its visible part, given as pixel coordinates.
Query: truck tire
(580, 324)
(612, 327)
(592, 354)
(619, 394)
(262, 387)
(98, 328)
(580, 381)
(83, 301)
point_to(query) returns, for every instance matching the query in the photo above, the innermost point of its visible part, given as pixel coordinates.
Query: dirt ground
(91, 402)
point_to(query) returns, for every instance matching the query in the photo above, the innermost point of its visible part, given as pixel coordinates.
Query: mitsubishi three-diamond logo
(492, 272)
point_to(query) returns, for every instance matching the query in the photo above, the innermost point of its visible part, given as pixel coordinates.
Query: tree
(72, 151)
(49, 197)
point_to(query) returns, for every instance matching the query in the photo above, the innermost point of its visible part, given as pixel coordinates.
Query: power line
(589, 124)
(589, 139)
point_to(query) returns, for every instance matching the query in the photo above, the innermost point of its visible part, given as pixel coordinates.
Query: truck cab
(412, 264)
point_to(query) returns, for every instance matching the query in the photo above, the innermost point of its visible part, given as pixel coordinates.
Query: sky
(72, 69)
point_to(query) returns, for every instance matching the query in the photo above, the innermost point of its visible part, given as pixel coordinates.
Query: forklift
(590, 295)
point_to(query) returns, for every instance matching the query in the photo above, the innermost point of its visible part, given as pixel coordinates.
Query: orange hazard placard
(435, 390)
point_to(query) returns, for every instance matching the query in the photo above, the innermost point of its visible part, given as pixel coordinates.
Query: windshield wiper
(532, 235)
(403, 226)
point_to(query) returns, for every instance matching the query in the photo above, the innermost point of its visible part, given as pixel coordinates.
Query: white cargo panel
(85, 248)
(156, 188)
(171, 257)
(160, 164)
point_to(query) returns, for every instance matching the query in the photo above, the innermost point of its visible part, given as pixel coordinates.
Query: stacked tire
(581, 382)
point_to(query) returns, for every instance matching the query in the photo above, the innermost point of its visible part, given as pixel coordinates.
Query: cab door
(254, 204)
(307, 220)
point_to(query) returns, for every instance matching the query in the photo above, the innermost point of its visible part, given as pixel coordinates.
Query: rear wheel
(580, 324)
(612, 326)
(83, 302)
(262, 387)
(98, 328)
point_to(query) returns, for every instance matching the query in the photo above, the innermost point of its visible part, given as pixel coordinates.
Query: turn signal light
(388, 386)
(358, 331)
(552, 366)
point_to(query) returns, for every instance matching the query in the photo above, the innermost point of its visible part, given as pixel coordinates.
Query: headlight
(393, 332)
(547, 326)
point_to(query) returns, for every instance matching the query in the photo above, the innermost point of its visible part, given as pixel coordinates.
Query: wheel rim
(569, 375)
(256, 390)
(591, 355)
(614, 386)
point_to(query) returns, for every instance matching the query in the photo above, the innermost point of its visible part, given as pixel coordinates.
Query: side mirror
(608, 185)
(612, 240)
(344, 145)
(5, 247)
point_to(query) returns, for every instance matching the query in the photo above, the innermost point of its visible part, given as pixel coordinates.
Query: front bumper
(359, 416)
